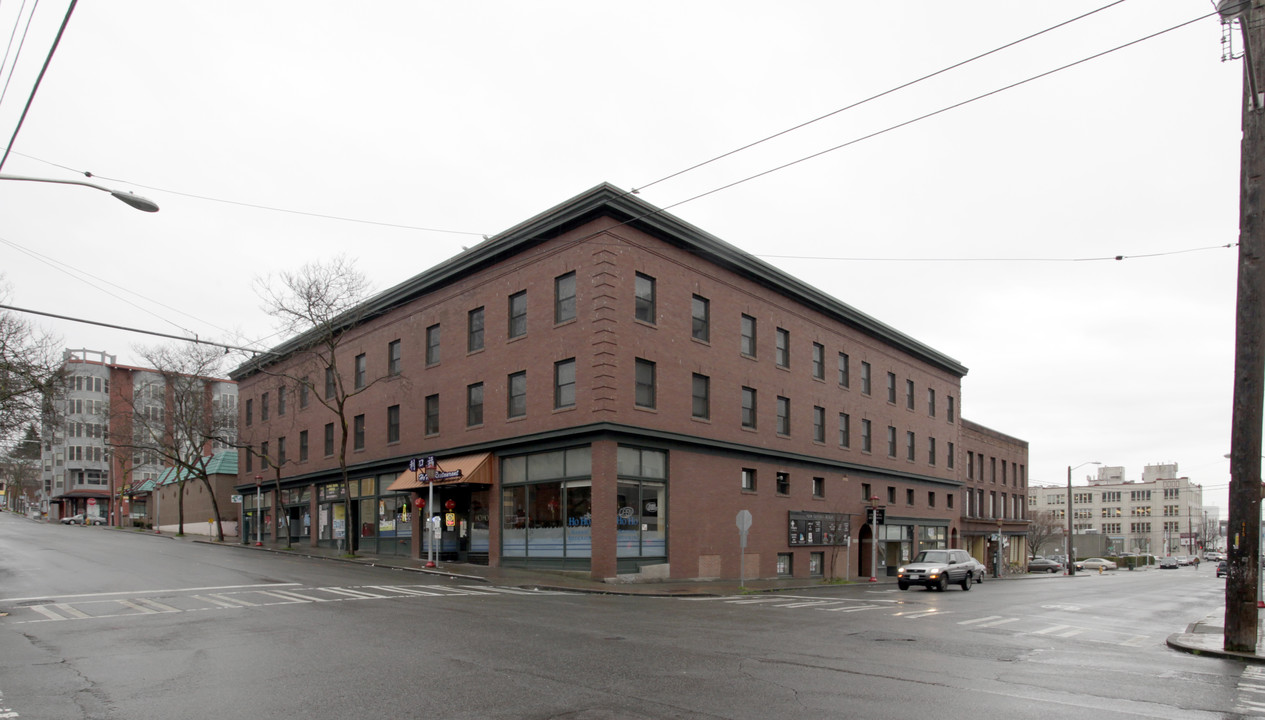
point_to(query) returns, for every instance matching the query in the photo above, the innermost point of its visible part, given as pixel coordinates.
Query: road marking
(1052, 628)
(352, 594)
(160, 607)
(239, 601)
(1071, 633)
(851, 609)
(137, 608)
(810, 603)
(146, 592)
(929, 613)
(42, 610)
(995, 623)
(406, 590)
(214, 601)
(292, 597)
(72, 612)
(980, 620)
(1136, 641)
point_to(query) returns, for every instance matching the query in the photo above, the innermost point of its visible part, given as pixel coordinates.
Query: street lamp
(1071, 561)
(136, 201)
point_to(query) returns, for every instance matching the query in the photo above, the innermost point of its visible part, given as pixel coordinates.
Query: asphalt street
(104, 624)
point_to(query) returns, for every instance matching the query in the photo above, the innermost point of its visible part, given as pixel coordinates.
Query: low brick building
(604, 388)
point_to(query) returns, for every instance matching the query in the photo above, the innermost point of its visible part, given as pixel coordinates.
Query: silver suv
(938, 569)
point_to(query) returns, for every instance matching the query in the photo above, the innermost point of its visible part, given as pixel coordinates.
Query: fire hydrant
(1100, 567)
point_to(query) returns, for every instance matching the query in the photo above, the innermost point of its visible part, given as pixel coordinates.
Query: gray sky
(979, 231)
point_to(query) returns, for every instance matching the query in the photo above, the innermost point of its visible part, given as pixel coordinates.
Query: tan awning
(473, 469)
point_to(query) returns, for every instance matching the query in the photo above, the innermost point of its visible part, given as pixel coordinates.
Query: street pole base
(873, 579)
(429, 564)
(259, 544)
(1260, 603)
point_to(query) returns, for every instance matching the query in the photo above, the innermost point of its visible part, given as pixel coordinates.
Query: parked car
(1169, 563)
(937, 569)
(80, 520)
(978, 570)
(1095, 564)
(1222, 569)
(1044, 565)
(1185, 560)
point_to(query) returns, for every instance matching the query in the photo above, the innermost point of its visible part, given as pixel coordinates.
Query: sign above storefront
(814, 528)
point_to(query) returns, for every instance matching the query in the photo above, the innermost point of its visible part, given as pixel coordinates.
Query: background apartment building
(604, 388)
(82, 472)
(1162, 514)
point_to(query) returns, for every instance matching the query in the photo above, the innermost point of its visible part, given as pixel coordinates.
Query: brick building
(603, 388)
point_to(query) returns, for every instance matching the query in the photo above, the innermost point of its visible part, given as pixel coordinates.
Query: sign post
(875, 515)
(259, 509)
(744, 524)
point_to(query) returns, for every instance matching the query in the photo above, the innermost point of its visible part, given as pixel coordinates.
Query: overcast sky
(980, 231)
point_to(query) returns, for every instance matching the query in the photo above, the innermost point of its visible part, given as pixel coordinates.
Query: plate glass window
(474, 330)
(517, 394)
(701, 391)
(564, 384)
(432, 344)
(645, 394)
(748, 407)
(474, 404)
(747, 344)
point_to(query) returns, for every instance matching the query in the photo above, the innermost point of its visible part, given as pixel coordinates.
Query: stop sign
(92, 501)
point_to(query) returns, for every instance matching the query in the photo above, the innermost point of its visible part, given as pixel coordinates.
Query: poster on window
(815, 528)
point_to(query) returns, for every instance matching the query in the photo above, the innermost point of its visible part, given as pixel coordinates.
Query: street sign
(237, 499)
(876, 515)
(744, 524)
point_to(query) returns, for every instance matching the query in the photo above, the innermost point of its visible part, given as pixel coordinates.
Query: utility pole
(1241, 620)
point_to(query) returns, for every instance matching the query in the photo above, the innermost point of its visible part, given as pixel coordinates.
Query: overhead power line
(31, 98)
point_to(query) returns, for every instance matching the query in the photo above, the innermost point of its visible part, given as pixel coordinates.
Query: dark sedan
(1044, 565)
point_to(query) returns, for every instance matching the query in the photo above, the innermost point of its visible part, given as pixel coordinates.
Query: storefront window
(579, 533)
(551, 515)
(544, 521)
(514, 521)
(931, 537)
(368, 518)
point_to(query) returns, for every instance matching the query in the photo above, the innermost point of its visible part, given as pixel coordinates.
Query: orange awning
(473, 469)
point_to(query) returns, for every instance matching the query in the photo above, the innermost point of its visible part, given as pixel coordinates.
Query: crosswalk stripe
(353, 594)
(810, 603)
(71, 611)
(42, 610)
(214, 601)
(980, 620)
(995, 623)
(286, 597)
(235, 599)
(1052, 628)
(137, 608)
(1072, 633)
(851, 609)
(160, 607)
(413, 590)
(1136, 641)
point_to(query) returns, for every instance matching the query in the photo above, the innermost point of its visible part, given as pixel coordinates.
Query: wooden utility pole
(1241, 619)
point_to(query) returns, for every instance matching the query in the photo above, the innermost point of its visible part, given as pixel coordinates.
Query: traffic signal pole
(1241, 619)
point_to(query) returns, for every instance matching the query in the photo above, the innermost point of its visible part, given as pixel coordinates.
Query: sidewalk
(1207, 637)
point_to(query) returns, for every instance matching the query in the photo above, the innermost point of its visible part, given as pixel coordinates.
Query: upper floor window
(263, 406)
(931, 402)
(331, 384)
(949, 410)
(844, 370)
(361, 370)
(517, 394)
(931, 451)
(474, 404)
(748, 407)
(564, 384)
(845, 430)
(700, 318)
(645, 393)
(865, 378)
(393, 357)
(393, 424)
(250, 411)
(782, 348)
(304, 390)
(866, 435)
(358, 432)
(281, 400)
(819, 424)
(910, 441)
(303, 446)
(564, 298)
(329, 440)
(819, 361)
(783, 415)
(474, 330)
(891, 441)
(701, 393)
(432, 344)
(518, 314)
(432, 414)
(645, 310)
(783, 483)
(747, 344)
(891, 387)
(909, 394)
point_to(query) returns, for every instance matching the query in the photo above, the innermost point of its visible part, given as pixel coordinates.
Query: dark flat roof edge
(606, 199)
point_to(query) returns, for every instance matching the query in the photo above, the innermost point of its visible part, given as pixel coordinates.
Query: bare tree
(1042, 528)
(317, 305)
(174, 417)
(20, 470)
(30, 373)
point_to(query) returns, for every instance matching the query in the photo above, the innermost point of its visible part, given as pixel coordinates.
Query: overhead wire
(38, 80)
(5, 62)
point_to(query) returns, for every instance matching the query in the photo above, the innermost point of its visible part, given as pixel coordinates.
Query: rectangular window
(819, 487)
(819, 424)
(518, 314)
(281, 400)
(819, 361)
(474, 404)
(782, 348)
(866, 436)
(361, 369)
(747, 345)
(263, 407)
(931, 451)
(645, 384)
(748, 407)
(948, 500)
(931, 499)
(517, 394)
(250, 411)
(393, 358)
(303, 446)
(304, 386)
(845, 430)
(281, 450)
(432, 344)
(474, 330)
(891, 495)
(865, 378)
(564, 298)
(358, 432)
(564, 384)
(949, 410)
(931, 402)
(948, 456)
(393, 424)
(700, 319)
(748, 479)
(432, 414)
(891, 387)
(329, 439)
(909, 496)
(264, 458)
(909, 394)
(844, 370)
(701, 391)
(645, 309)
(783, 483)
(783, 415)
(891, 441)
(909, 446)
